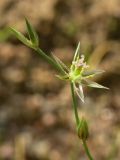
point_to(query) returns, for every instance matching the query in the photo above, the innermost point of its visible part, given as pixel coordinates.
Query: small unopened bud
(83, 132)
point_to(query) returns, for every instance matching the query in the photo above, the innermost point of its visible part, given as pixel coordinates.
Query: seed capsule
(83, 132)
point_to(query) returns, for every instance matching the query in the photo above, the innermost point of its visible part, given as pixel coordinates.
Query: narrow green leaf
(21, 37)
(32, 33)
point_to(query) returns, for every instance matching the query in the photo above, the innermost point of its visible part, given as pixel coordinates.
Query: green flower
(78, 73)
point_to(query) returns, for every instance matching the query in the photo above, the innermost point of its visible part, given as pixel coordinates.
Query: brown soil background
(36, 117)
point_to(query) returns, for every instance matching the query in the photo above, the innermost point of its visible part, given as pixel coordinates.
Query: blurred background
(36, 117)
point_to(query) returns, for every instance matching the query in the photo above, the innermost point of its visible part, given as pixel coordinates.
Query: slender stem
(56, 66)
(49, 60)
(74, 104)
(87, 150)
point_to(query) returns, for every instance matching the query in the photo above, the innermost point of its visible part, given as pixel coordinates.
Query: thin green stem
(56, 66)
(49, 60)
(74, 105)
(87, 150)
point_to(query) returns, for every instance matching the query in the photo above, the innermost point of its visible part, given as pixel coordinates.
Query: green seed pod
(83, 132)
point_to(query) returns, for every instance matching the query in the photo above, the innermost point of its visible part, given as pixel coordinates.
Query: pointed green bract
(95, 85)
(32, 34)
(65, 77)
(21, 37)
(61, 64)
(92, 73)
(79, 91)
(76, 56)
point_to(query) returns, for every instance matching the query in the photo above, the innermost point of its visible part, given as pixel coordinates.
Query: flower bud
(83, 132)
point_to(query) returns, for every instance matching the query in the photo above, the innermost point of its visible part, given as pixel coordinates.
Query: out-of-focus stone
(43, 79)
(40, 149)
(34, 102)
(14, 75)
(49, 119)
(54, 154)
